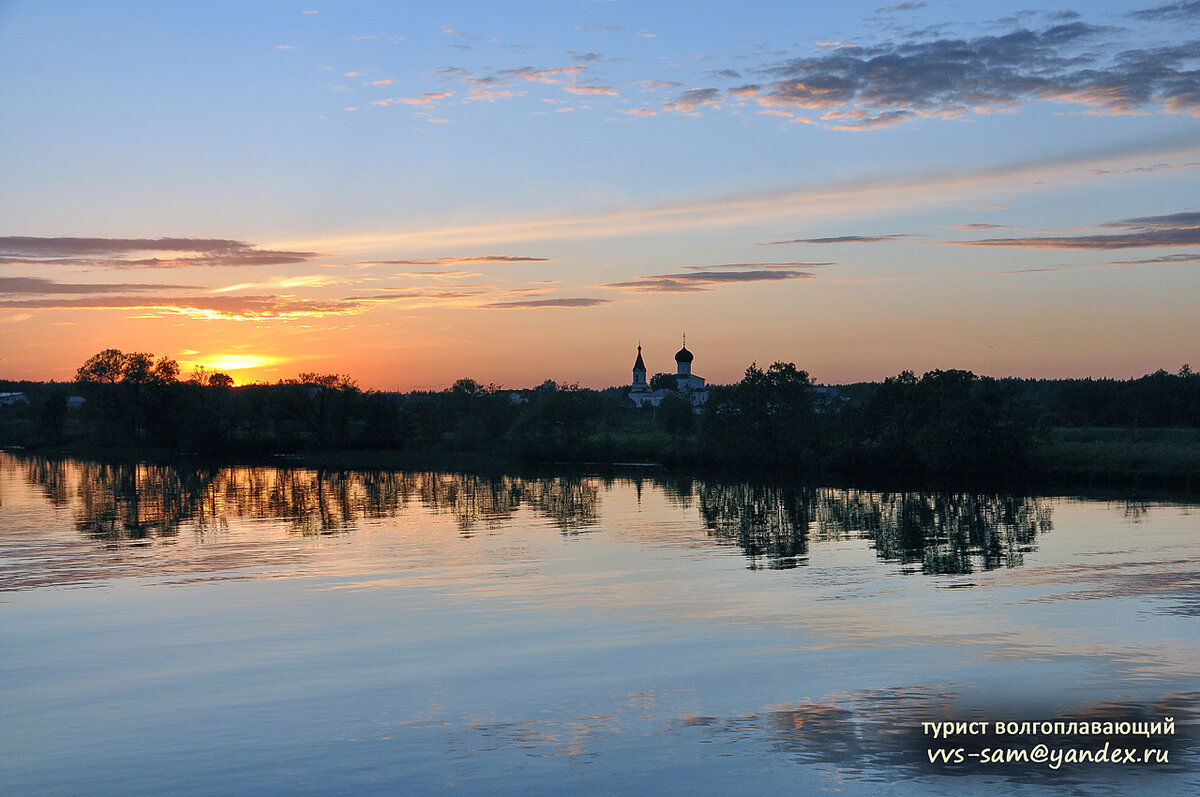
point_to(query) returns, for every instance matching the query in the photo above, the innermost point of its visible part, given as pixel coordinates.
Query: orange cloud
(543, 75)
(858, 197)
(592, 90)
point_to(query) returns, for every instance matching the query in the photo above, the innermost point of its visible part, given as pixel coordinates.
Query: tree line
(943, 423)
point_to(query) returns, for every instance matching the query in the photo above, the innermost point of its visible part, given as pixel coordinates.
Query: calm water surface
(183, 630)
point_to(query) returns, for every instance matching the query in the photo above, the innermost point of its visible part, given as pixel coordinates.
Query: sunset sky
(416, 192)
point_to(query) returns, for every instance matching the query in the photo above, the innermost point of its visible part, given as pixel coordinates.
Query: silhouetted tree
(767, 419)
(663, 381)
(127, 394)
(676, 414)
(322, 404)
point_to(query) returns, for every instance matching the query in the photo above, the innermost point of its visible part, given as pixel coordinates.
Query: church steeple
(683, 360)
(639, 370)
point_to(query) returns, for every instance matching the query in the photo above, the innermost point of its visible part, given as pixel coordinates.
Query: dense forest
(943, 424)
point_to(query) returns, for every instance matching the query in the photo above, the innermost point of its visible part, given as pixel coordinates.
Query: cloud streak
(220, 306)
(449, 261)
(870, 87)
(1181, 257)
(536, 304)
(239, 308)
(592, 90)
(758, 266)
(119, 252)
(45, 287)
(724, 212)
(428, 98)
(1171, 12)
(707, 278)
(841, 239)
(690, 100)
(1177, 229)
(543, 75)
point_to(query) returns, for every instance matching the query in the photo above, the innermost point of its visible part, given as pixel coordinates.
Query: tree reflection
(472, 500)
(51, 476)
(944, 532)
(132, 502)
(767, 522)
(773, 525)
(572, 503)
(136, 502)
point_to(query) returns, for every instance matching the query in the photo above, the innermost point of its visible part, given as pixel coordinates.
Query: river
(184, 629)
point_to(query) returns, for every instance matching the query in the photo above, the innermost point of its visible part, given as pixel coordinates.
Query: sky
(413, 193)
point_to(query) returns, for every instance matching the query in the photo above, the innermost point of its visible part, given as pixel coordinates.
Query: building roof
(639, 365)
(683, 355)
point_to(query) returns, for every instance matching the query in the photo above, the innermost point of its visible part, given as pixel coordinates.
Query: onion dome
(683, 355)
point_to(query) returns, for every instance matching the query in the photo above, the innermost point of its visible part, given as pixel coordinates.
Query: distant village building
(9, 399)
(687, 385)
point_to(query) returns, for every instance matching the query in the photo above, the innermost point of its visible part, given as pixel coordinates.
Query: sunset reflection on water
(567, 632)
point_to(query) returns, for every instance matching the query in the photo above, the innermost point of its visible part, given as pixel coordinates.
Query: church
(687, 384)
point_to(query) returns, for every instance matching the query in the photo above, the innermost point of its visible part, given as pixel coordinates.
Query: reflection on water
(875, 734)
(129, 502)
(943, 533)
(426, 632)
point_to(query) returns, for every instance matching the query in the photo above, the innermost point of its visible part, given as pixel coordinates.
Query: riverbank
(1122, 457)
(1091, 460)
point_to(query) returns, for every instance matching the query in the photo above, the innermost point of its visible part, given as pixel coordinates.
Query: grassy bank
(1123, 457)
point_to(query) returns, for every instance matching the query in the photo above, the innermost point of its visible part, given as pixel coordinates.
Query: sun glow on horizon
(224, 363)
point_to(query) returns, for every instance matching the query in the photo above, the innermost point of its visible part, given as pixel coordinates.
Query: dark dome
(683, 355)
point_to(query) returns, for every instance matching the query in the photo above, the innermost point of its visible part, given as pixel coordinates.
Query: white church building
(687, 384)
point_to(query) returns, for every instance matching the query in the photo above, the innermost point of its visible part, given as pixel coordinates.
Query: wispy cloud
(242, 308)
(446, 261)
(1186, 220)
(1176, 229)
(723, 212)
(428, 98)
(552, 75)
(120, 252)
(535, 304)
(409, 294)
(908, 78)
(695, 279)
(1165, 260)
(1181, 257)
(979, 226)
(260, 307)
(840, 239)
(688, 101)
(483, 87)
(602, 90)
(1171, 12)
(757, 266)
(281, 283)
(37, 285)
(660, 85)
